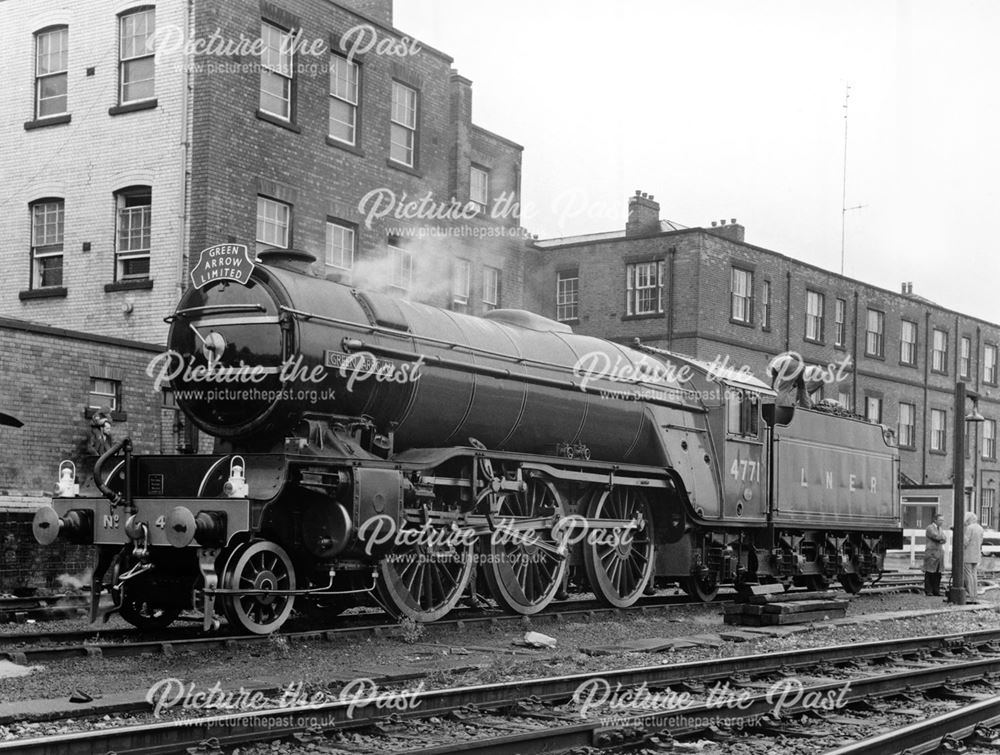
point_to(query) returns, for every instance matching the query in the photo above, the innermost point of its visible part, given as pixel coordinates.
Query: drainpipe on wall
(927, 359)
(185, 144)
(788, 309)
(670, 301)
(854, 356)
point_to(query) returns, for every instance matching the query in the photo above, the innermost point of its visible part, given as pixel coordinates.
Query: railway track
(35, 647)
(48, 608)
(763, 695)
(32, 648)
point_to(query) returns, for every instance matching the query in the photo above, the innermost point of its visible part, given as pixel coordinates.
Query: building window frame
(876, 403)
(939, 356)
(491, 288)
(644, 288)
(277, 67)
(765, 304)
(987, 507)
(345, 93)
(401, 261)
(51, 70)
(110, 397)
(479, 186)
(133, 233)
(990, 364)
(840, 323)
(48, 231)
(908, 348)
(989, 440)
(568, 295)
(875, 338)
(340, 244)
(274, 223)
(815, 316)
(461, 283)
(938, 432)
(741, 295)
(132, 58)
(404, 124)
(964, 357)
(907, 431)
(842, 395)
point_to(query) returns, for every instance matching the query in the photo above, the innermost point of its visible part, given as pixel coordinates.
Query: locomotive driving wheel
(619, 564)
(523, 571)
(258, 565)
(424, 581)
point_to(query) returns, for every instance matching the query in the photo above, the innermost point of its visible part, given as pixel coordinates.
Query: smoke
(75, 583)
(431, 262)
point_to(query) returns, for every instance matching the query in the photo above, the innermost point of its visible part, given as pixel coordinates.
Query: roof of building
(670, 226)
(665, 227)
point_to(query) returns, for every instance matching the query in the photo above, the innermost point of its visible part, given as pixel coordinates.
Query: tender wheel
(818, 582)
(258, 565)
(619, 564)
(703, 589)
(522, 574)
(851, 583)
(424, 582)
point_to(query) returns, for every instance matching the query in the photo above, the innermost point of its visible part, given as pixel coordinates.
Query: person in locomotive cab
(972, 555)
(934, 555)
(100, 430)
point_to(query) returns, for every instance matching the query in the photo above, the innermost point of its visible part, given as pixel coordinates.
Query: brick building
(139, 132)
(303, 123)
(53, 405)
(708, 293)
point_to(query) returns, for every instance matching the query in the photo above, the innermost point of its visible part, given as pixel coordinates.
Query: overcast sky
(735, 109)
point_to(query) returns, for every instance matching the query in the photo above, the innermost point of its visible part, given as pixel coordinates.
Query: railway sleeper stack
(770, 605)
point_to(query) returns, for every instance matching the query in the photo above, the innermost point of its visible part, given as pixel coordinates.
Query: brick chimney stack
(731, 230)
(377, 10)
(643, 215)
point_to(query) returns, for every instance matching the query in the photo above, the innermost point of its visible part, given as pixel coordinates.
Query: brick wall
(84, 162)
(45, 381)
(206, 156)
(239, 155)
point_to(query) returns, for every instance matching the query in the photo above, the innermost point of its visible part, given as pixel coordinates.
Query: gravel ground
(491, 654)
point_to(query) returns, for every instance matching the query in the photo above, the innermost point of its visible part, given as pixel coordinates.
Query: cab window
(743, 413)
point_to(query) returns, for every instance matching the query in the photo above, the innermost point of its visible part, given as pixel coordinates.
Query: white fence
(912, 554)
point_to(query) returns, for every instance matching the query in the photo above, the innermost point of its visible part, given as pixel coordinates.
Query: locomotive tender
(374, 449)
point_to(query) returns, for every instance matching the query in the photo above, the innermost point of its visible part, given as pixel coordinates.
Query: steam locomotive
(370, 449)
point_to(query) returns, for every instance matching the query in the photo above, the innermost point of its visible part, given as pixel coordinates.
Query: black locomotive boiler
(374, 449)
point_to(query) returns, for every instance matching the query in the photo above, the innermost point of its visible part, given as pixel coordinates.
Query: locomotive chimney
(643, 215)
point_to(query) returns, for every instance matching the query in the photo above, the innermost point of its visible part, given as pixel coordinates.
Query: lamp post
(956, 594)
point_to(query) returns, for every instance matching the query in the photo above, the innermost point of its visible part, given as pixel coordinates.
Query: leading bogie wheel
(523, 570)
(619, 563)
(148, 616)
(136, 609)
(258, 565)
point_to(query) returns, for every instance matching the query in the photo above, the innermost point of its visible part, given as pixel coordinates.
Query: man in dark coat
(934, 555)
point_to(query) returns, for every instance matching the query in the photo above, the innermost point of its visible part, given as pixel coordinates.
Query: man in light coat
(971, 555)
(934, 555)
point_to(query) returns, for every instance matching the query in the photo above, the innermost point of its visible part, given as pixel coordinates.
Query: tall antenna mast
(843, 199)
